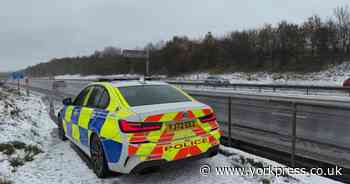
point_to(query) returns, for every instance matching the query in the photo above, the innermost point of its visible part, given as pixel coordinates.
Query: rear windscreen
(152, 94)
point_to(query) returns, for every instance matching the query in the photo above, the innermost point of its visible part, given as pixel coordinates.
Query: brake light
(129, 127)
(208, 118)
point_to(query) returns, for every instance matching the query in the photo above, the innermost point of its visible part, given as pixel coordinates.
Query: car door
(98, 101)
(103, 124)
(86, 114)
(72, 114)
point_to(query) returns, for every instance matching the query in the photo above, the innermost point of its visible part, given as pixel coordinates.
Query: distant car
(2, 82)
(216, 80)
(130, 125)
(59, 84)
(346, 83)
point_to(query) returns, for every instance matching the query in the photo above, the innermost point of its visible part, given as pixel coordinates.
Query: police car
(133, 125)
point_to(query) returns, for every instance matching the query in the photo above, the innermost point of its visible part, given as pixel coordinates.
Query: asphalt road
(266, 120)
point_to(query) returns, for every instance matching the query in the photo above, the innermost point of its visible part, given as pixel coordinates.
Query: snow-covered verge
(25, 125)
(24, 128)
(333, 76)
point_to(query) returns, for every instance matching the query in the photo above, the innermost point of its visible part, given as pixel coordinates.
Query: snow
(307, 179)
(61, 162)
(23, 127)
(22, 119)
(333, 76)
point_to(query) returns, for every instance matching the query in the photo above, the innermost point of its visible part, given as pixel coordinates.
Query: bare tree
(342, 16)
(111, 51)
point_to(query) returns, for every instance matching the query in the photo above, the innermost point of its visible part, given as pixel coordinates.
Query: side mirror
(67, 101)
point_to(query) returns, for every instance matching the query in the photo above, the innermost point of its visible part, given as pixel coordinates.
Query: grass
(5, 181)
(15, 112)
(18, 144)
(243, 162)
(252, 162)
(7, 148)
(16, 162)
(30, 151)
(34, 132)
(266, 181)
(33, 149)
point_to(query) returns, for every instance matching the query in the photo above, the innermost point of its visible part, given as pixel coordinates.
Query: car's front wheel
(98, 158)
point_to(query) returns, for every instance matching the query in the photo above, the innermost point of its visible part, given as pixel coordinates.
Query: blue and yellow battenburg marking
(79, 123)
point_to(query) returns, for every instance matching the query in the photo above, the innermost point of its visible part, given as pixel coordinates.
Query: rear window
(152, 94)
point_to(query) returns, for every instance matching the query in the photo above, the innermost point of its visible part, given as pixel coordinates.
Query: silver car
(213, 80)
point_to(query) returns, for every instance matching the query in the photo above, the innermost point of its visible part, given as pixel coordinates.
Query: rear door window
(99, 98)
(94, 98)
(104, 99)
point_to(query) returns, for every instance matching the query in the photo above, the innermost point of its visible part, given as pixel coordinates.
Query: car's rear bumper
(135, 155)
(134, 164)
(155, 163)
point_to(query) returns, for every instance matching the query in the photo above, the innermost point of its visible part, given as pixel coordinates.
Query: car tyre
(98, 159)
(214, 153)
(61, 133)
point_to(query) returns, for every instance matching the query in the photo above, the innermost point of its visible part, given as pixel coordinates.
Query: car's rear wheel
(61, 133)
(98, 158)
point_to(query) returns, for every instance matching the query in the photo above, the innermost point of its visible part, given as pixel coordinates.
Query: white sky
(33, 31)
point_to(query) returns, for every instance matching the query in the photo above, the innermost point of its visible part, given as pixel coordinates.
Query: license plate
(181, 125)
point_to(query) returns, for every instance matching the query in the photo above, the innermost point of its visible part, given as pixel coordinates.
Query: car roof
(136, 83)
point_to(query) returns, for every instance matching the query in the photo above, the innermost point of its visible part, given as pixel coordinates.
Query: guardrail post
(229, 120)
(52, 107)
(18, 87)
(294, 129)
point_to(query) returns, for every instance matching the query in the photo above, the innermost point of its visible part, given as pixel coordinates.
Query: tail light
(208, 118)
(130, 127)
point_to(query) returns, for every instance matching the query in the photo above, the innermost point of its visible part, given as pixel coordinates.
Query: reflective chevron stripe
(164, 144)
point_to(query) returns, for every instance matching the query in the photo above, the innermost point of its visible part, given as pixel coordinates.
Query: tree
(342, 16)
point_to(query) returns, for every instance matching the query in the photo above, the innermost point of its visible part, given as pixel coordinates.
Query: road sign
(138, 54)
(135, 53)
(17, 76)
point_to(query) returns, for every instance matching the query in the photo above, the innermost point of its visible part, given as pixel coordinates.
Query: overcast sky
(33, 31)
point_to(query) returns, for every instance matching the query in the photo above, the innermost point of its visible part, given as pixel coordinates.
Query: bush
(7, 148)
(16, 162)
(10, 147)
(18, 144)
(33, 149)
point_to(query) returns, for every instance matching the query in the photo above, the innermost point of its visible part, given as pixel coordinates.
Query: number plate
(181, 125)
